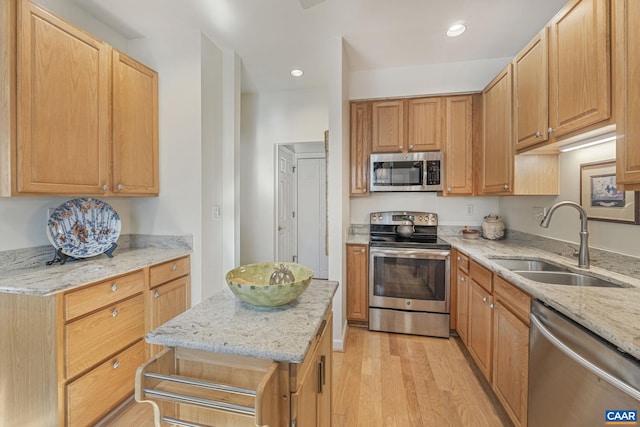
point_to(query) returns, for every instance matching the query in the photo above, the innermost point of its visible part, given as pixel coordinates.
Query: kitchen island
(276, 360)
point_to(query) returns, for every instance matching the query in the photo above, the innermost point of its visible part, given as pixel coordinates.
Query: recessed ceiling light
(297, 73)
(456, 30)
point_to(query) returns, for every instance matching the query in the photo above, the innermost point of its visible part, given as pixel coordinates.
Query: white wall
(565, 224)
(455, 77)
(450, 210)
(271, 118)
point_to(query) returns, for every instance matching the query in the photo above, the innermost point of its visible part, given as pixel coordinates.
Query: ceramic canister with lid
(493, 227)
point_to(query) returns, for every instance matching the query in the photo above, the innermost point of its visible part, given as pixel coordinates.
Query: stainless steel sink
(566, 278)
(515, 264)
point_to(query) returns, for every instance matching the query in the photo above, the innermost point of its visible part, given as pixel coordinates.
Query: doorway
(301, 206)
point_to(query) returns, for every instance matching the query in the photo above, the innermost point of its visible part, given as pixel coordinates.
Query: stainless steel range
(409, 290)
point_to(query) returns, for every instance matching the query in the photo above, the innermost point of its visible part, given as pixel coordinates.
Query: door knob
(280, 228)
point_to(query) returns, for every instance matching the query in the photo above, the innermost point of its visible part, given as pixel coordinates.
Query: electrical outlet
(216, 212)
(469, 210)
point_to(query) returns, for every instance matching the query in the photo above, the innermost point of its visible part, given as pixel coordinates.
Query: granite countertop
(37, 278)
(611, 313)
(224, 324)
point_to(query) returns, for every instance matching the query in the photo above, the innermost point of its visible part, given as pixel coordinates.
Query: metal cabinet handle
(550, 130)
(506, 186)
(411, 147)
(448, 189)
(484, 299)
(400, 148)
(120, 187)
(459, 258)
(115, 313)
(114, 287)
(116, 364)
(156, 294)
(174, 266)
(105, 187)
(462, 279)
(362, 251)
(492, 306)
(538, 134)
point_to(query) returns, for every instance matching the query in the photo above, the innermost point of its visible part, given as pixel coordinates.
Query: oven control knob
(379, 217)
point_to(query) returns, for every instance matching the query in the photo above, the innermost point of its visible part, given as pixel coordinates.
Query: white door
(286, 207)
(312, 210)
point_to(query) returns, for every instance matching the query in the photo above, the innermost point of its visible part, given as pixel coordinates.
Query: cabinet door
(459, 145)
(135, 127)
(511, 363)
(359, 148)
(480, 327)
(325, 348)
(63, 106)
(304, 402)
(387, 126)
(496, 149)
(425, 124)
(357, 282)
(579, 60)
(166, 302)
(627, 42)
(463, 306)
(531, 94)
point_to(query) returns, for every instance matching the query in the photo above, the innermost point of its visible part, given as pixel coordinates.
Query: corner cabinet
(458, 149)
(496, 147)
(358, 283)
(70, 99)
(627, 42)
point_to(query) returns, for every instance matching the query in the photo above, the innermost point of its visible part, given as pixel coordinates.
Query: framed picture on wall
(600, 197)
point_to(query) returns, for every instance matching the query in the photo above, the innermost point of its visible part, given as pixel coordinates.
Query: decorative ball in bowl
(269, 284)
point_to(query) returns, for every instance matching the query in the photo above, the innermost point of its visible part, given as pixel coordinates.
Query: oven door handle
(410, 253)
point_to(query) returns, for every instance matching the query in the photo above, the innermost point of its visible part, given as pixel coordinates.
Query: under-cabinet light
(588, 142)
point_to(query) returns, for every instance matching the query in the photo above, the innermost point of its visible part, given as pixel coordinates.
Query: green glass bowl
(250, 283)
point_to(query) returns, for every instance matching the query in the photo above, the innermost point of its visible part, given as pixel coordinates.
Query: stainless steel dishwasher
(575, 377)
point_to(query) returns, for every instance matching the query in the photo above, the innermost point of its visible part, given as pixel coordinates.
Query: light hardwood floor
(394, 380)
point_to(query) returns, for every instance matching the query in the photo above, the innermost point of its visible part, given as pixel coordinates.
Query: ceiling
(273, 36)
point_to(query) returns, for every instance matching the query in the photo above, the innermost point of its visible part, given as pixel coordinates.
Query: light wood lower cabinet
(192, 386)
(493, 323)
(357, 283)
(462, 297)
(168, 296)
(73, 355)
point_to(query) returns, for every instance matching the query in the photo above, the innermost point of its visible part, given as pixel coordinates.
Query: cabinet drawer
(93, 338)
(211, 388)
(463, 262)
(94, 394)
(513, 298)
(481, 276)
(104, 293)
(170, 270)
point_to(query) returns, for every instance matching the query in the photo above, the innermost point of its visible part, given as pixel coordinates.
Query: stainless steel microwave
(423, 171)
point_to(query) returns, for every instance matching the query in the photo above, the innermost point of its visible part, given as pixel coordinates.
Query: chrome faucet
(583, 255)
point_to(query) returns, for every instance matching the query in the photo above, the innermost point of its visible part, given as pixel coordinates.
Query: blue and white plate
(83, 227)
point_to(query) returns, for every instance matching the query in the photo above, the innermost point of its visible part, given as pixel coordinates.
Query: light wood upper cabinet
(496, 146)
(359, 148)
(627, 42)
(531, 92)
(63, 106)
(77, 118)
(135, 127)
(357, 283)
(388, 126)
(424, 124)
(579, 66)
(458, 148)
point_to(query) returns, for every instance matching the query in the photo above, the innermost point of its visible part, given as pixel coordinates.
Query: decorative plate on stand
(83, 227)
